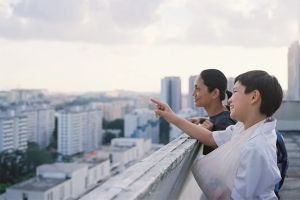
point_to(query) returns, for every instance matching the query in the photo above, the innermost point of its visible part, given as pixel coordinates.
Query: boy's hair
(268, 86)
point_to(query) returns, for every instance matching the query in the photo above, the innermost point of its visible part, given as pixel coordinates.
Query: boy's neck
(215, 109)
(251, 120)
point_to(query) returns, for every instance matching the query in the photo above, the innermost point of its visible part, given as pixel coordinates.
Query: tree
(17, 166)
(115, 124)
(107, 137)
(53, 143)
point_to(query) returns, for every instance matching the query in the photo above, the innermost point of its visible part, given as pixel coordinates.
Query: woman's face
(202, 97)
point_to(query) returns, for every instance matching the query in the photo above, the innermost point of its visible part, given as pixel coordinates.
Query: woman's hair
(215, 79)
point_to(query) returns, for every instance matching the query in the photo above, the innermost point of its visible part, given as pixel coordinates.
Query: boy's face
(239, 102)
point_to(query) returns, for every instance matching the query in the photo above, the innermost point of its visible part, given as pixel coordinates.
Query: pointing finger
(158, 102)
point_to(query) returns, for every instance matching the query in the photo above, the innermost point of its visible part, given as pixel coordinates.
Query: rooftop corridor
(291, 187)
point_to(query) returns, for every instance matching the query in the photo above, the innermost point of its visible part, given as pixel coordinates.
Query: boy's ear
(255, 96)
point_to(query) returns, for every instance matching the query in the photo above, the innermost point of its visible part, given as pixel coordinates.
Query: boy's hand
(208, 125)
(163, 110)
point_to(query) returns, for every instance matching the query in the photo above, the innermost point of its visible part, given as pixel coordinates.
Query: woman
(209, 92)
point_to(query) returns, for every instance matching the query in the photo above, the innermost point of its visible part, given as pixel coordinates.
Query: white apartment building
(13, 131)
(4, 96)
(184, 113)
(79, 129)
(125, 150)
(171, 92)
(141, 123)
(41, 122)
(18, 95)
(61, 181)
(116, 109)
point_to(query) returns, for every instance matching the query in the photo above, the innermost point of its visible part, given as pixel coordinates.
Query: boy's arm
(203, 135)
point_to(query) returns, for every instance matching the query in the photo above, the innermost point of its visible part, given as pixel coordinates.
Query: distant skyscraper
(230, 83)
(200, 110)
(171, 92)
(294, 71)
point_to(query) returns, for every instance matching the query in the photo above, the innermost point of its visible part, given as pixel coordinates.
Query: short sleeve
(255, 176)
(221, 137)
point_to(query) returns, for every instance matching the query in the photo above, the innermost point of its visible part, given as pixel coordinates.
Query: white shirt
(257, 172)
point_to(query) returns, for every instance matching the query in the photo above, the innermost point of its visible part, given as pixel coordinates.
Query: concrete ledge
(159, 176)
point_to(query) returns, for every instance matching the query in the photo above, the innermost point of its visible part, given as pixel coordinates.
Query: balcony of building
(166, 174)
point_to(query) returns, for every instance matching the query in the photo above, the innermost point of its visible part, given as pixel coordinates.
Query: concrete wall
(12, 194)
(162, 175)
(288, 116)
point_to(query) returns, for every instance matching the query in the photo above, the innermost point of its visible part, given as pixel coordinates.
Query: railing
(163, 175)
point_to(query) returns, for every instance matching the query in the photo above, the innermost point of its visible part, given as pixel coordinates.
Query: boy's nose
(229, 101)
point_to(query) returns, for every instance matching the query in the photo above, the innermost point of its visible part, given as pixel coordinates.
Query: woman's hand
(163, 110)
(208, 125)
(197, 120)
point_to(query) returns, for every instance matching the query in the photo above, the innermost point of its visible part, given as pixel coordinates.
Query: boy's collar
(268, 125)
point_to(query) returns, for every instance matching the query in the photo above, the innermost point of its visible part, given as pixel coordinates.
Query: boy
(256, 97)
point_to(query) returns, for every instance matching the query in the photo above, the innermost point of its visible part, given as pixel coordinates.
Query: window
(62, 192)
(86, 182)
(95, 174)
(50, 196)
(25, 196)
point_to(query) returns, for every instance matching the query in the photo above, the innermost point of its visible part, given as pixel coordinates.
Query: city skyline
(72, 49)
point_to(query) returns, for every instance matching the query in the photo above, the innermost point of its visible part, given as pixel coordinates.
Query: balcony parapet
(162, 175)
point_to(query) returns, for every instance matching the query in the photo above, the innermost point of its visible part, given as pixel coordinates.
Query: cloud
(97, 21)
(250, 23)
(242, 22)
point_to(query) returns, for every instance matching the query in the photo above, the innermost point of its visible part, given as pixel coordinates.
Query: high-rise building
(230, 84)
(171, 92)
(13, 131)
(141, 123)
(79, 129)
(200, 110)
(41, 122)
(294, 72)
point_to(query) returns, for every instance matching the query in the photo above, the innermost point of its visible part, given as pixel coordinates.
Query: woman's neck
(215, 109)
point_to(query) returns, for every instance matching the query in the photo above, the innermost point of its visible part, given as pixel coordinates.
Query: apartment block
(142, 123)
(79, 129)
(13, 131)
(61, 181)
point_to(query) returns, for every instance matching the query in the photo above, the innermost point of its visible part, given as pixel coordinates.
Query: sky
(104, 45)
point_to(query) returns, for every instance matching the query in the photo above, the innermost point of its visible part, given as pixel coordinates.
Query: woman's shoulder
(222, 120)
